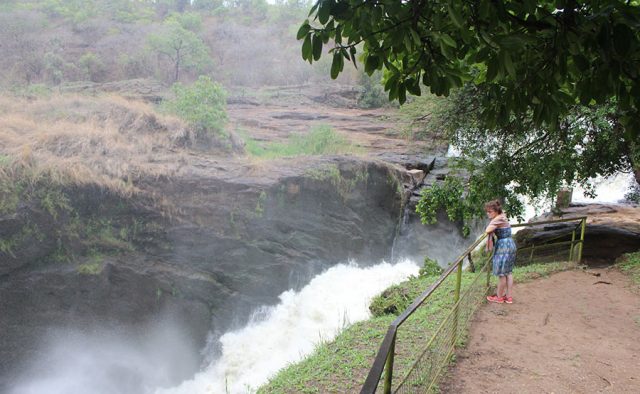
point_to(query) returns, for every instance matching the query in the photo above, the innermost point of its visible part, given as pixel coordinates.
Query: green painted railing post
(388, 376)
(531, 255)
(456, 298)
(573, 240)
(489, 268)
(583, 226)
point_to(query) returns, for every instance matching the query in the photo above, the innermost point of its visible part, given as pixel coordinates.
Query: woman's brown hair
(493, 205)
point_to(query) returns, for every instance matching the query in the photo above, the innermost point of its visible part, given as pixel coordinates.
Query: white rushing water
(607, 190)
(289, 331)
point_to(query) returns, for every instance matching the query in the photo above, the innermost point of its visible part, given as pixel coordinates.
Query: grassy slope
(342, 365)
(74, 139)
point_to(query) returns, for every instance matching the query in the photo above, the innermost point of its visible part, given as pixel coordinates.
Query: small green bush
(430, 268)
(203, 105)
(372, 94)
(392, 301)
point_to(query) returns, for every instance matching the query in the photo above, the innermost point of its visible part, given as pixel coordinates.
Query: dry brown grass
(108, 140)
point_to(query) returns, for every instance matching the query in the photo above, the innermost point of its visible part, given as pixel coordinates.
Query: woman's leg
(502, 285)
(509, 284)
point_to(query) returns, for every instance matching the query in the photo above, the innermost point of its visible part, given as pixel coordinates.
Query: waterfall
(291, 330)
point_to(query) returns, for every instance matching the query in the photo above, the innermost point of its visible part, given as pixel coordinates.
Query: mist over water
(110, 361)
(287, 332)
(158, 357)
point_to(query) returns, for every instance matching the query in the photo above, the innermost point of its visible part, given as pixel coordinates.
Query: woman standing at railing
(504, 256)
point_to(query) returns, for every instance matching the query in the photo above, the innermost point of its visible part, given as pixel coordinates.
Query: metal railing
(424, 357)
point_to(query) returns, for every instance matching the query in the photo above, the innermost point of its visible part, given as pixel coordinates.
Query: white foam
(293, 328)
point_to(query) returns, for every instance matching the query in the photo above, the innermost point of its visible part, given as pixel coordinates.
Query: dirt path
(569, 333)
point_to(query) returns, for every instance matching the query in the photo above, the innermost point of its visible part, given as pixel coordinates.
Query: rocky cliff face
(235, 240)
(146, 229)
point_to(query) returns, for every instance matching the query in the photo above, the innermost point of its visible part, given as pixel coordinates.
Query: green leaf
(622, 38)
(304, 29)
(317, 47)
(324, 11)
(402, 93)
(581, 62)
(492, 69)
(448, 40)
(306, 48)
(315, 7)
(371, 64)
(413, 86)
(455, 16)
(336, 65)
(352, 52)
(508, 64)
(415, 36)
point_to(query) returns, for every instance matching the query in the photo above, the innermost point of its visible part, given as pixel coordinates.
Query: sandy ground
(573, 332)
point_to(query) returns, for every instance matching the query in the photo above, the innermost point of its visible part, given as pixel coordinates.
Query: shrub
(372, 94)
(203, 105)
(392, 301)
(430, 268)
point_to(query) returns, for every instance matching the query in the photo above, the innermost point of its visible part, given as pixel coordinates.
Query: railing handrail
(375, 373)
(571, 219)
(378, 365)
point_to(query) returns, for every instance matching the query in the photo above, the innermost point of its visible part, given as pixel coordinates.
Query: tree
(183, 47)
(92, 66)
(539, 76)
(21, 48)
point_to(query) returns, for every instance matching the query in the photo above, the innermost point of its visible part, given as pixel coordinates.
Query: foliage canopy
(531, 55)
(545, 93)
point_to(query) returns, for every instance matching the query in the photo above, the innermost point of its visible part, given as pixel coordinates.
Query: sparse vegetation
(630, 264)
(93, 266)
(321, 140)
(241, 43)
(343, 183)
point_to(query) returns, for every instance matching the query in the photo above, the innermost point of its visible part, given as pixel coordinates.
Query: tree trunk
(175, 79)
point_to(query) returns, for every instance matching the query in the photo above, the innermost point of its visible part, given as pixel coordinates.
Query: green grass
(630, 264)
(93, 266)
(341, 365)
(321, 140)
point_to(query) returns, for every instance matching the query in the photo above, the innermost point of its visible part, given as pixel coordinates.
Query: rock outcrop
(152, 229)
(611, 230)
